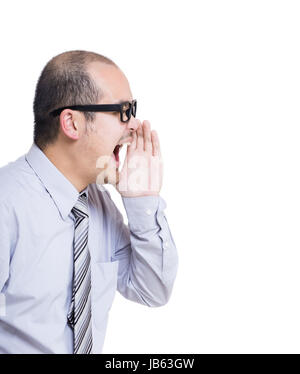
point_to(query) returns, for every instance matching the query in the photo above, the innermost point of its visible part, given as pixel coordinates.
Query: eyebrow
(123, 101)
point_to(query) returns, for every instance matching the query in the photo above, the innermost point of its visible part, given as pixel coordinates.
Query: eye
(125, 107)
(126, 111)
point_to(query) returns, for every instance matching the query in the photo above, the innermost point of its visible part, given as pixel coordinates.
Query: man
(64, 248)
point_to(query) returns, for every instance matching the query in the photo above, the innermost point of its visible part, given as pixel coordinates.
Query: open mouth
(117, 148)
(116, 151)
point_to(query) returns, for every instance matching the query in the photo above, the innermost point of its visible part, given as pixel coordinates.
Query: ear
(68, 124)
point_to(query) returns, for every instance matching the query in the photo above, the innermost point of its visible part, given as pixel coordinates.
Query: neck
(67, 165)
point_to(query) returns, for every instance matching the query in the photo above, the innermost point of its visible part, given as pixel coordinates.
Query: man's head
(80, 138)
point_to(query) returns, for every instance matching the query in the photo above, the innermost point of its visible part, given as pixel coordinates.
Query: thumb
(121, 175)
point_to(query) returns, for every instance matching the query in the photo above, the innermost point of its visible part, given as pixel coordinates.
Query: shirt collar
(62, 191)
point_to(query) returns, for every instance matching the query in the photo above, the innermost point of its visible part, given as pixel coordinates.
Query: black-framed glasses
(126, 109)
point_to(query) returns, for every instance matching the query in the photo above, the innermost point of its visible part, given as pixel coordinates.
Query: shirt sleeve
(5, 244)
(146, 252)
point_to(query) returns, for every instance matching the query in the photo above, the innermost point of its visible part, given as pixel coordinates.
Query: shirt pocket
(104, 285)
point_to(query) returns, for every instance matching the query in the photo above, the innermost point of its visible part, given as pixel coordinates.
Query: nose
(134, 124)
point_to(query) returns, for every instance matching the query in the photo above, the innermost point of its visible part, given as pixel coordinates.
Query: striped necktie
(79, 317)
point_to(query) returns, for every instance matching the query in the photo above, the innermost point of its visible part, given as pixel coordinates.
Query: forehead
(111, 81)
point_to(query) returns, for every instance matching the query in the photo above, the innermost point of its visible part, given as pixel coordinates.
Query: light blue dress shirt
(36, 255)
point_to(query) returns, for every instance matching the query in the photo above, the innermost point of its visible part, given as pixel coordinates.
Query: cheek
(107, 134)
(102, 144)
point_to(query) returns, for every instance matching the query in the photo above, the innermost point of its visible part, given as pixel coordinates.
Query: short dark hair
(64, 81)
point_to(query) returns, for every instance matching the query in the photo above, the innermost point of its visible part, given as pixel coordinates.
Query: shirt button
(167, 244)
(148, 211)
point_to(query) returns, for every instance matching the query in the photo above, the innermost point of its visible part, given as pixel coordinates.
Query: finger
(147, 137)
(155, 144)
(132, 145)
(134, 137)
(117, 178)
(140, 139)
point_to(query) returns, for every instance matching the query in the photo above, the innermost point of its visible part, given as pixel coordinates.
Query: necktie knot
(80, 209)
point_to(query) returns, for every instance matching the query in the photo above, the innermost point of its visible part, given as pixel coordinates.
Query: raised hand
(142, 172)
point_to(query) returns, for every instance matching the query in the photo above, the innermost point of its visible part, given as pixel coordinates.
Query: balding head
(64, 81)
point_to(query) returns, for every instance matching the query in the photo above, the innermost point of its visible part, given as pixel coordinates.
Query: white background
(220, 82)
